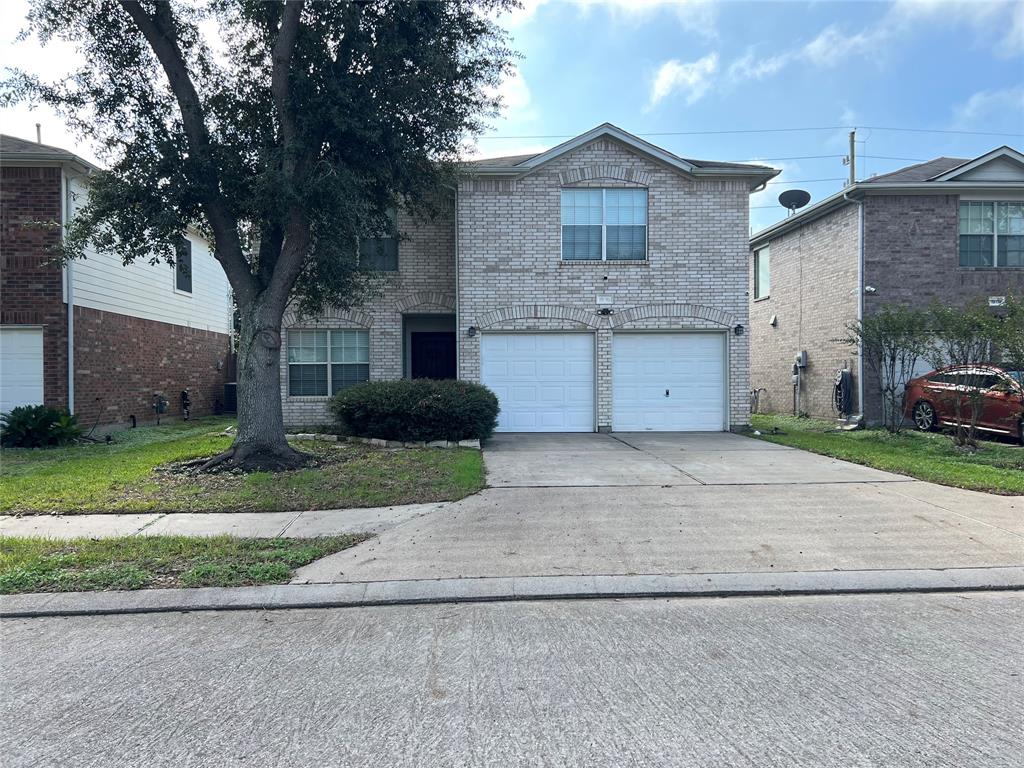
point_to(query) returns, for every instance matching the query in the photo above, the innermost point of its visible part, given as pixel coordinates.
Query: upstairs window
(991, 234)
(604, 224)
(762, 273)
(183, 265)
(380, 254)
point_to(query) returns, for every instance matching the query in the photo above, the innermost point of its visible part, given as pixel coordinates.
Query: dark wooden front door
(433, 355)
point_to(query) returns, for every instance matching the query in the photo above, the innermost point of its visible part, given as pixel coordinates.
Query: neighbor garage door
(544, 381)
(21, 367)
(668, 382)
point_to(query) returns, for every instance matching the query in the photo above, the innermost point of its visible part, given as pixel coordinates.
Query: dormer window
(604, 224)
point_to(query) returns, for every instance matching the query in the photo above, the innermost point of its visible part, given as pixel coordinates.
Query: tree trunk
(260, 443)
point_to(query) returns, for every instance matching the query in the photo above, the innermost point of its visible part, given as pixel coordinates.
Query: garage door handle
(666, 393)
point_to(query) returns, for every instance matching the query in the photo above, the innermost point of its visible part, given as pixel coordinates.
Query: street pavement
(826, 682)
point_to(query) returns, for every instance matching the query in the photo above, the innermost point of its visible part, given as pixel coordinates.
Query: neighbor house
(950, 229)
(95, 336)
(600, 285)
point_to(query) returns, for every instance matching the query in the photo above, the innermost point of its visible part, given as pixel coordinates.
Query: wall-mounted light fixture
(471, 331)
(606, 311)
(738, 330)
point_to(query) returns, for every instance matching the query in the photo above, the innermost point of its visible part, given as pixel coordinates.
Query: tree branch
(158, 30)
(280, 82)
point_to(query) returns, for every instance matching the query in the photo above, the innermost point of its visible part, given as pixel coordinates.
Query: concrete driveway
(674, 504)
(660, 459)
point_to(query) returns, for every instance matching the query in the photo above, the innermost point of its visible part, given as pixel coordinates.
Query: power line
(772, 130)
(826, 157)
(808, 181)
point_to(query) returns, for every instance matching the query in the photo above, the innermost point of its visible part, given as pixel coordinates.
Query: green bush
(420, 409)
(37, 426)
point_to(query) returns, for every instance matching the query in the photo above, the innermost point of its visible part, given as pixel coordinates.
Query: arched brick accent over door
(537, 312)
(650, 311)
(426, 298)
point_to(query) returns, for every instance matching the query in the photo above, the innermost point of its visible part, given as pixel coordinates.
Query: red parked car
(930, 400)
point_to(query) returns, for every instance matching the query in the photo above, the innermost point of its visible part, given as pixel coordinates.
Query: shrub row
(418, 409)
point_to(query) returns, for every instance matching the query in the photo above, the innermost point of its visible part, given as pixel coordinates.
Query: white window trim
(604, 226)
(994, 234)
(329, 363)
(757, 258)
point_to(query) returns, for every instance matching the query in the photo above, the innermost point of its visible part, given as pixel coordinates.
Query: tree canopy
(284, 129)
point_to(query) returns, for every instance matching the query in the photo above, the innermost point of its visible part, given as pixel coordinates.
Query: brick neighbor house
(599, 285)
(950, 229)
(97, 337)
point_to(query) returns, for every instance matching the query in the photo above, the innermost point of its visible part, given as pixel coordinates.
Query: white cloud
(832, 45)
(514, 93)
(983, 105)
(699, 16)
(692, 78)
(751, 67)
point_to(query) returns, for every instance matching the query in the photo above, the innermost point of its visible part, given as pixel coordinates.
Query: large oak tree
(284, 129)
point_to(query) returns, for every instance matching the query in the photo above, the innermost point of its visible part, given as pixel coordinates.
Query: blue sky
(655, 67)
(652, 66)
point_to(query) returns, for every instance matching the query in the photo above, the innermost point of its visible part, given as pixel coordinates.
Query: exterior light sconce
(471, 331)
(606, 311)
(738, 330)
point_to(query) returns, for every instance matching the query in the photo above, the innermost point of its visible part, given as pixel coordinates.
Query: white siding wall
(145, 290)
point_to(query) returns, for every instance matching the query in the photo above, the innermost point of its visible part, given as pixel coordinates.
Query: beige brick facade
(813, 296)
(511, 276)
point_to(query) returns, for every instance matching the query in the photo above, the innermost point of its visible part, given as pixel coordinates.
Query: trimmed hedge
(417, 409)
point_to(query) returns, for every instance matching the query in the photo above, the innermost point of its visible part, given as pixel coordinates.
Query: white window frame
(604, 227)
(329, 363)
(766, 250)
(994, 234)
(392, 214)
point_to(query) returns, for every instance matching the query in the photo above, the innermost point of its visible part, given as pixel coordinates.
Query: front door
(433, 355)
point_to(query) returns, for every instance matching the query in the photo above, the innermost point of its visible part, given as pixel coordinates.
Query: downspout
(65, 211)
(458, 303)
(860, 299)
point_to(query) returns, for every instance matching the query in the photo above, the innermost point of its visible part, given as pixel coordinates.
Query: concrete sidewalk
(254, 524)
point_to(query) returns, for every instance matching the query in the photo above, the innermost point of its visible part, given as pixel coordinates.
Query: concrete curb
(432, 591)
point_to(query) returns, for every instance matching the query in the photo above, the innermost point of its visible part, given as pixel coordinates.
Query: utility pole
(852, 158)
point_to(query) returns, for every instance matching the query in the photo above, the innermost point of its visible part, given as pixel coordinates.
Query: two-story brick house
(950, 229)
(95, 336)
(600, 285)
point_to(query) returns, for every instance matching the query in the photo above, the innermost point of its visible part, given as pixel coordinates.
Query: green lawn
(141, 562)
(995, 467)
(131, 475)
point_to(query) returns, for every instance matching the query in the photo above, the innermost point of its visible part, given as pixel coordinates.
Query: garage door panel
(21, 367)
(544, 382)
(690, 366)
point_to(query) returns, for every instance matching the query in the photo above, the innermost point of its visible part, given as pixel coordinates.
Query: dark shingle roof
(13, 146)
(511, 161)
(920, 171)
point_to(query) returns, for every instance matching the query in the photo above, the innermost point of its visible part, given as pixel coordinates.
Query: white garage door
(544, 381)
(668, 382)
(21, 367)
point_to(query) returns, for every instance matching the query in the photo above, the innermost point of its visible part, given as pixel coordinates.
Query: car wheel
(1020, 431)
(924, 416)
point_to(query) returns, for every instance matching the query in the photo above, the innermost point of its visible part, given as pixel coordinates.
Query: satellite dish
(794, 198)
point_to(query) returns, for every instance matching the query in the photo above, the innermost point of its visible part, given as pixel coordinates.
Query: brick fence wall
(31, 285)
